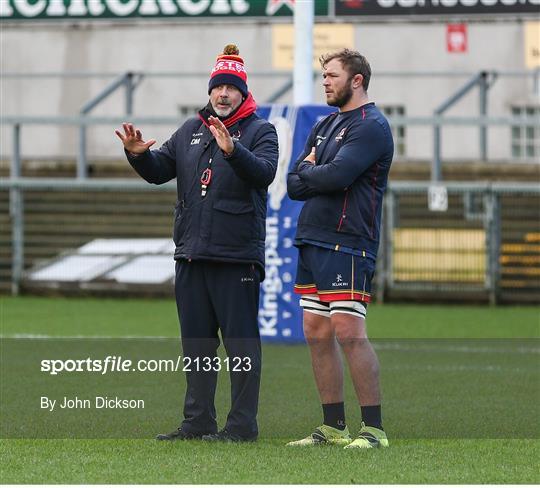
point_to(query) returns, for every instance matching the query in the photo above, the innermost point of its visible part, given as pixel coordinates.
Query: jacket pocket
(233, 222)
(181, 220)
(324, 211)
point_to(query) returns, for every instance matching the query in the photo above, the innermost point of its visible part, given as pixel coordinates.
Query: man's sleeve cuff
(303, 164)
(131, 155)
(232, 153)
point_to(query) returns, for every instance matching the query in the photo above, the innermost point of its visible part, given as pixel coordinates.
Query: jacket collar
(247, 108)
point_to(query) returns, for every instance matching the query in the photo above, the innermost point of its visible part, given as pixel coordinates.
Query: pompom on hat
(229, 70)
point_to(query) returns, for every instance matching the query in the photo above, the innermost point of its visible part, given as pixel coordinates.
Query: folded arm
(297, 189)
(360, 150)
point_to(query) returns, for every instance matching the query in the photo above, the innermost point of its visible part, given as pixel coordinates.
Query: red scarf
(247, 107)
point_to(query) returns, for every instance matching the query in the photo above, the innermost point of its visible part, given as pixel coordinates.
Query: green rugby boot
(325, 435)
(369, 438)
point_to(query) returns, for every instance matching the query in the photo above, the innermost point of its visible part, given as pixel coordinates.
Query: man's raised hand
(132, 139)
(221, 134)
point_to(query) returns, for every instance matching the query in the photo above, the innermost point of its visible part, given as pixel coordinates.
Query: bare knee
(350, 331)
(317, 328)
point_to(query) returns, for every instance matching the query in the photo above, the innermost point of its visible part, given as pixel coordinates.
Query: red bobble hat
(229, 70)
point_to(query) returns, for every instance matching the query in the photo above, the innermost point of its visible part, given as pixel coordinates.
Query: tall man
(341, 176)
(223, 160)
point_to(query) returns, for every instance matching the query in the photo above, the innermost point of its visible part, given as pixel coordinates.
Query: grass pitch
(459, 407)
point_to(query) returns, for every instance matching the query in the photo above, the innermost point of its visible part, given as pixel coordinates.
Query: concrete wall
(192, 47)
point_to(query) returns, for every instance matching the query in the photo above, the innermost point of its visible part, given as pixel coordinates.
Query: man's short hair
(353, 62)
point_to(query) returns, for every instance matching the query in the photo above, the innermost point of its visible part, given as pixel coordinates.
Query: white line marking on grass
(382, 346)
(52, 337)
(400, 346)
(488, 368)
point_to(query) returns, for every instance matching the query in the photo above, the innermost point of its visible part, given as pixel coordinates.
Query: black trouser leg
(199, 330)
(234, 291)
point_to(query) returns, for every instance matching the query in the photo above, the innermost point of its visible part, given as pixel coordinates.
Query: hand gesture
(221, 134)
(311, 156)
(132, 139)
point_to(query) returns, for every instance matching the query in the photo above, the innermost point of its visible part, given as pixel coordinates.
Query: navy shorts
(333, 275)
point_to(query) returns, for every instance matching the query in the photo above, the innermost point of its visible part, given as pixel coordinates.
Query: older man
(223, 161)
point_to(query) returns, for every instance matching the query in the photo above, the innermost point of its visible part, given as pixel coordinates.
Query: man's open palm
(221, 134)
(132, 139)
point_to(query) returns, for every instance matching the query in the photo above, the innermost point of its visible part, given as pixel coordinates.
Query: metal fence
(482, 243)
(127, 83)
(435, 122)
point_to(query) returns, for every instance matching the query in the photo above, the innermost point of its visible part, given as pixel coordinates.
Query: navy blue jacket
(343, 191)
(228, 224)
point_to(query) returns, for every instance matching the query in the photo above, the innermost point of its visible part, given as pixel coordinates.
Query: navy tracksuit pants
(225, 296)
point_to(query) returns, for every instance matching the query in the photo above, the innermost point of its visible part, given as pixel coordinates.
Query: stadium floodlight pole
(303, 52)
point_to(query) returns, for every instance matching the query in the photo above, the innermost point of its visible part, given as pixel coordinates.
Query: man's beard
(223, 112)
(342, 97)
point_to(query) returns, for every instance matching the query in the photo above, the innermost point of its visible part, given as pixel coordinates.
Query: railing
(17, 186)
(130, 80)
(483, 80)
(485, 243)
(84, 121)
